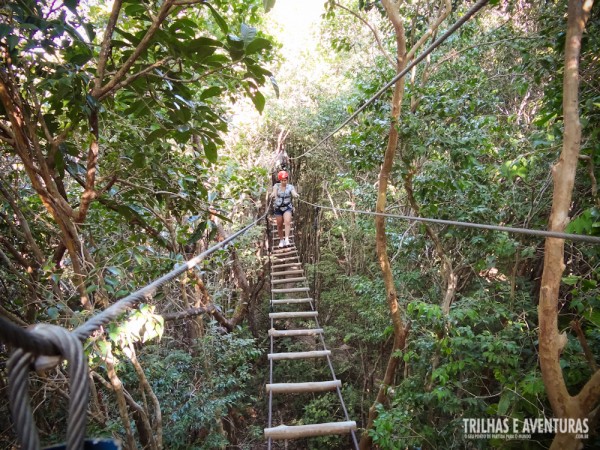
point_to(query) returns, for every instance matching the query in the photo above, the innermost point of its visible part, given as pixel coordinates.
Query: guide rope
(460, 22)
(44, 345)
(527, 231)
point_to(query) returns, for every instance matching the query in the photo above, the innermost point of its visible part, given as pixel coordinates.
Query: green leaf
(275, 85)
(220, 21)
(210, 150)
(210, 92)
(197, 234)
(257, 45)
(4, 30)
(52, 312)
(248, 33)
(504, 404)
(259, 101)
(156, 135)
(71, 4)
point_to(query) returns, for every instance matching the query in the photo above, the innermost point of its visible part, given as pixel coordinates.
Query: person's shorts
(281, 212)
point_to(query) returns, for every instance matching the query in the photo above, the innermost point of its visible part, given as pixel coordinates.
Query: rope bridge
(289, 288)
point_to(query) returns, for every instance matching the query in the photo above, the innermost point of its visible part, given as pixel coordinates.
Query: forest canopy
(134, 135)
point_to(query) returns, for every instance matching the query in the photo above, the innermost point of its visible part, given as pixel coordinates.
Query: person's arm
(294, 193)
(274, 191)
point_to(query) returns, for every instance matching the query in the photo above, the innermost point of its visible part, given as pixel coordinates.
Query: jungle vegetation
(122, 156)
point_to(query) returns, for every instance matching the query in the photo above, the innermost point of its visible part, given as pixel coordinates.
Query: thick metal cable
(19, 363)
(18, 337)
(541, 233)
(460, 22)
(51, 340)
(112, 312)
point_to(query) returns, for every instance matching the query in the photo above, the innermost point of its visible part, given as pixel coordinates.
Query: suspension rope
(49, 342)
(18, 337)
(460, 22)
(530, 232)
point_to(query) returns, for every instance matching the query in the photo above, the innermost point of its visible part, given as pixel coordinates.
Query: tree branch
(373, 30)
(137, 75)
(445, 13)
(105, 47)
(143, 45)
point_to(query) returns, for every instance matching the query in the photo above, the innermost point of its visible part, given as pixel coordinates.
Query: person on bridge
(282, 206)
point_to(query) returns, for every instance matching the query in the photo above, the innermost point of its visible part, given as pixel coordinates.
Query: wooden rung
(317, 429)
(287, 272)
(277, 238)
(289, 290)
(289, 301)
(299, 355)
(288, 280)
(289, 259)
(290, 333)
(279, 266)
(315, 386)
(284, 251)
(293, 314)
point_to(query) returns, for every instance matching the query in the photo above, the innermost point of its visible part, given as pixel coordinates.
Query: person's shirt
(283, 197)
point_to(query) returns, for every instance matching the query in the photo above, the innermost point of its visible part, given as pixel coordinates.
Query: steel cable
(18, 337)
(44, 340)
(541, 233)
(19, 364)
(460, 22)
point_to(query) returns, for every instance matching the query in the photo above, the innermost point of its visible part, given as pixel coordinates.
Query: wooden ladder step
(290, 290)
(299, 355)
(293, 314)
(317, 429)
(290, 258)
(284, 251)
(289, 301)
(287, 248)
(290, 333)
(279, 266)
(277, 238)
(287, 272)
(294, 388)
(288, 280)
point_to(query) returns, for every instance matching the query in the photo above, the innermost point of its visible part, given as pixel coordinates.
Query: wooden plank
(279, 266)
(299, 355)
(317, 429)
(291, 333)
(294, 388)
(290, 258)
(293, 314)
(288, 280)
(290, 290)
(282, 253)
(289, 301)
(287, 272)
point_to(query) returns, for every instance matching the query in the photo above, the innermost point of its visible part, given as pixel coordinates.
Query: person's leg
(279, 219)
(287, 220)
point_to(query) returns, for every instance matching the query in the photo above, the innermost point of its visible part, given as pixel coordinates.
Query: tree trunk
(551, 341)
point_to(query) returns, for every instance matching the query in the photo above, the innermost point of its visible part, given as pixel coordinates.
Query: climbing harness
(283, 201)
(288, 278)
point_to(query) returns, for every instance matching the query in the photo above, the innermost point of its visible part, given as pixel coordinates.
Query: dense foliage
(120, 159)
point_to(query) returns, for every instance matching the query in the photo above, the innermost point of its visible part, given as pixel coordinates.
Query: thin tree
(552, 342)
